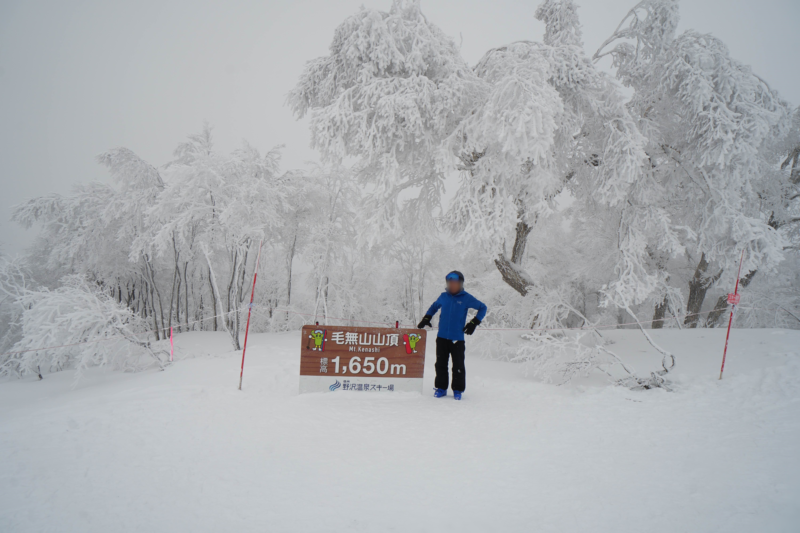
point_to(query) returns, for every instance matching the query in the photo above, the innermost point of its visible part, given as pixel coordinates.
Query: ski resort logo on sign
(367, 359)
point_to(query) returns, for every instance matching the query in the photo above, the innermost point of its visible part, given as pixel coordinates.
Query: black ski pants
(445, 348)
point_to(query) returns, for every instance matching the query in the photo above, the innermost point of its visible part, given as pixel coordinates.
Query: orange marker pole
(249, 310)
(734, 301)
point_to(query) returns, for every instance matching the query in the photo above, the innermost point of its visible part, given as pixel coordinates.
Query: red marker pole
(734, 300)
(249, 310)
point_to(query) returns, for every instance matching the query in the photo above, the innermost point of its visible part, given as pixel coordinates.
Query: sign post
(375, 360)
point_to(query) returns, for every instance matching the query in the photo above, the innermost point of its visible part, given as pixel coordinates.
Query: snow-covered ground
(184, 450)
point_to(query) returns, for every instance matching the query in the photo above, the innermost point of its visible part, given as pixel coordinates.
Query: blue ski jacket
(454, 313)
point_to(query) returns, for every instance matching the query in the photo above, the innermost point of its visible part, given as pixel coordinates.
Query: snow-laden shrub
(77, 326)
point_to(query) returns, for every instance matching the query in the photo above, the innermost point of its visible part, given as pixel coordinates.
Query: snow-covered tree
(391, 90)
(90, 231)
(301, 213)
(216, 208)
(169, 247)
(711, 125)
(528, 121)
(550, 122)
(333, 248)
(139, 184)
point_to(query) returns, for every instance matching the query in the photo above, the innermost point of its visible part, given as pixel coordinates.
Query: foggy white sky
(80, 77)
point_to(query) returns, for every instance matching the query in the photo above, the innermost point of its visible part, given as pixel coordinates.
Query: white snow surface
(184, 450)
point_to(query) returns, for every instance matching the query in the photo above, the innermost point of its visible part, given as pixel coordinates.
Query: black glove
(469, 329)
(426, 321)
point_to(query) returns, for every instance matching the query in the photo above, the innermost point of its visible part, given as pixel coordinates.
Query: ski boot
(440, 393)
(456, 394)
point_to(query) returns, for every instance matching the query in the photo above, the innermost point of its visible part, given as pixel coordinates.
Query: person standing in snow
(454, 303)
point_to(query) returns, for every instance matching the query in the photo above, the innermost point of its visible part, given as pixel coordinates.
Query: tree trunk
(511, 271)
(513, 277)
(659, 314)
(178, 302)
(238, 300)
(421, 283)
(320, 286)
(172, 298)
(520, 243)
(186, 294)
(213, 299)
(143, 298)
(154, 314)
(289, 262)
(697, 292)
(215, 293)
(176, 285)
(231, 283)
(152, 274)
(201, 309)
(242, 277)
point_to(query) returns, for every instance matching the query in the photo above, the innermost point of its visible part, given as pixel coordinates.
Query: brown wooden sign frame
(366, 359)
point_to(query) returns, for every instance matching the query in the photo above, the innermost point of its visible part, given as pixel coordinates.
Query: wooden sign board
(374, 360)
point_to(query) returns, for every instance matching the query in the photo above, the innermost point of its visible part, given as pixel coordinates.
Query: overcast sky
(80, 77)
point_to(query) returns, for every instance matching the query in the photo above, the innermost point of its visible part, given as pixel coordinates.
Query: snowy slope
(184, 450)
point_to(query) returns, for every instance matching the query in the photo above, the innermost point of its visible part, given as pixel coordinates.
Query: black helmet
(455, 275)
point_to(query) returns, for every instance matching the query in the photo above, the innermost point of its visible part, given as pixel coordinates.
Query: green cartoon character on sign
(412, 342)
(318, 336)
